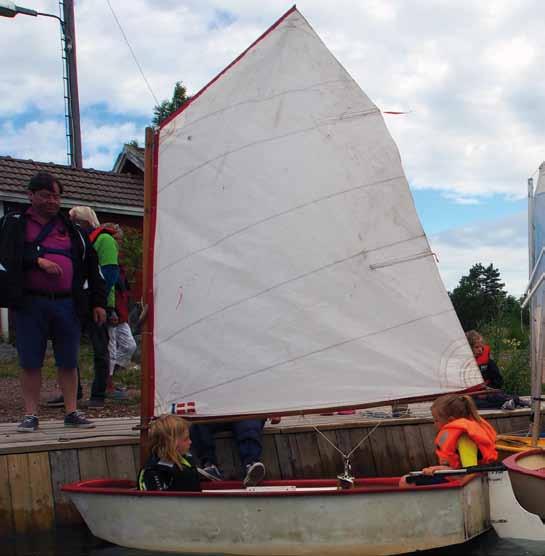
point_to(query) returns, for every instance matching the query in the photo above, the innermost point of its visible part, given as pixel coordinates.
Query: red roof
(94, 187)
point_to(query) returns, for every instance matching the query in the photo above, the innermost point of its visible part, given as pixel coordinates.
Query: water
(79, 542)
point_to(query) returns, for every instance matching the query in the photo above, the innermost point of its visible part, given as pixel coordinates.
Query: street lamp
(9, 9)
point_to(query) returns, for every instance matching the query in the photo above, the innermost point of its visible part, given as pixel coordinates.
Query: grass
(130, 377)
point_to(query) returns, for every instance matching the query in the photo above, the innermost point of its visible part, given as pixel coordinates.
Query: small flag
(183, 408)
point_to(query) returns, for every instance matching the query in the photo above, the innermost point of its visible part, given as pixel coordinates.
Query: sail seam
(187, 127)
(393, 262)
(264, 141)
(314, 352)
(268, 290)
(284, 213)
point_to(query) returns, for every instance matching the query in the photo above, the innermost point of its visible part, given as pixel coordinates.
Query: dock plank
(7, 527)
(92, 463)
(120, 460)
(21, 494)
(64, 469)
(42, 508)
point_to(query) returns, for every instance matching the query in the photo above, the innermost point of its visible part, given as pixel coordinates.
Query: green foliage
(167, 107)
(131, 252)
(479, 297)
(482, 303)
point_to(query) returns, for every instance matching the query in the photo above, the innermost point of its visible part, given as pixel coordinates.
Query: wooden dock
(37, 464)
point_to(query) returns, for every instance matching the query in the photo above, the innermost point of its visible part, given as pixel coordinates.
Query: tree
(167, 107)
(479, 297)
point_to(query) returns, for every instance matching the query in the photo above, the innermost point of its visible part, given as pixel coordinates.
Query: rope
(346, 456)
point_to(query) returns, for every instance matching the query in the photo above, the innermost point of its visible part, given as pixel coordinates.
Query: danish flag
(183, 408)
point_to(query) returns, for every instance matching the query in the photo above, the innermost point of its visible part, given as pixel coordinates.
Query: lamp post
(8, 9)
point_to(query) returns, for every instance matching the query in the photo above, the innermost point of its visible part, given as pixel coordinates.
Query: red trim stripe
(197, 95)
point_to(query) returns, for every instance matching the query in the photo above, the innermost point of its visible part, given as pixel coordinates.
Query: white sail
(537, 266)
(291, 271)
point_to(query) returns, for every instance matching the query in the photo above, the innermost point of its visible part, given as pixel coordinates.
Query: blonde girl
(170, 466)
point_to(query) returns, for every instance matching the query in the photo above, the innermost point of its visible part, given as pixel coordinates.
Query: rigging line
(315, 352)
(133, 54)
(347, 456)
(284, 213)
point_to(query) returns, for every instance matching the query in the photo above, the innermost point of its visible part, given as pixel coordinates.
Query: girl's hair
(164, 432)
(473, 337)
(455, 406)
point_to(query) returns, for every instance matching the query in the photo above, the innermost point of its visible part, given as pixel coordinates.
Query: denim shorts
(40, 319)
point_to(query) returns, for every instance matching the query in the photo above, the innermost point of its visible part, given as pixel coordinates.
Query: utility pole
(71, 84)
(70, 72)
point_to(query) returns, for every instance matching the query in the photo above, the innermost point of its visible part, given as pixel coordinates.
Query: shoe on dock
(255, 473)
(28, 424)
(77, 420)
(509, 405)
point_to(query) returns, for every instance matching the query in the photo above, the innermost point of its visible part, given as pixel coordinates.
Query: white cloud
(501, 242)
(469, 75)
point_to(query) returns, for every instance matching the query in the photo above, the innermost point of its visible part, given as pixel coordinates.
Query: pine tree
(167, 107)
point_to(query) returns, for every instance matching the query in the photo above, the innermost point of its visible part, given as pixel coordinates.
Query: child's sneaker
(255, 473)
(28, 424)
(77, 420)
(212, 473)
(509, 405)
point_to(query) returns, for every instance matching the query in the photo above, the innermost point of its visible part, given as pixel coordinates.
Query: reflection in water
(79, 542)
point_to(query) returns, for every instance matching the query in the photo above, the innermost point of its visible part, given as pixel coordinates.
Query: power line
(133, 54)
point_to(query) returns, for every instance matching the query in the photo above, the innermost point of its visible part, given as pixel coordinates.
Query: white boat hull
(377, 519)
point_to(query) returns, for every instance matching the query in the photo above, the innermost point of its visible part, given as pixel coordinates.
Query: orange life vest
(485, 356)
(100, 230)
(481, 432)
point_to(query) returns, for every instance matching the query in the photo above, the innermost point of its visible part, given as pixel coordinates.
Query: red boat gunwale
(363, 486)
(512, 464)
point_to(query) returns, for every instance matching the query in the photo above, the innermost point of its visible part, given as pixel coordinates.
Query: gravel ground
(12, 408)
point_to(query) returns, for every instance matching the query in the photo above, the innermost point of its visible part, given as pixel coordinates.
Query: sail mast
(146, 389)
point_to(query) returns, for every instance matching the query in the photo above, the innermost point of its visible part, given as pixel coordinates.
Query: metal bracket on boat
(346, 480)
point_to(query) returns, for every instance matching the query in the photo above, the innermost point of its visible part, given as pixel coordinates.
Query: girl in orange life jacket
(464, 438)
(170, 466)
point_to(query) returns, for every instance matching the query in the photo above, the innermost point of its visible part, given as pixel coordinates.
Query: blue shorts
(40, 319)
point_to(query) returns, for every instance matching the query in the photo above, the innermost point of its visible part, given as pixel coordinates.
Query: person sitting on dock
(248, 437)
(464, 439)
(170, 466)
(492, 377)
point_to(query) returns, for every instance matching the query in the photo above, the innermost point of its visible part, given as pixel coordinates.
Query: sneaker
(508, 405)
(255, 473)
(523, 403)
(211, 472)
(28, 424)
(76, 419)
(117, 393)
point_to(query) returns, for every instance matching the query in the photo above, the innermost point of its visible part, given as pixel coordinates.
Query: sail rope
(346, 456)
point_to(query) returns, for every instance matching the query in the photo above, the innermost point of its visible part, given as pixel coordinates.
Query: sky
(467, 72)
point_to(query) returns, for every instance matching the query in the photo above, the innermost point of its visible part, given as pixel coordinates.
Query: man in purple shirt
(49, 274)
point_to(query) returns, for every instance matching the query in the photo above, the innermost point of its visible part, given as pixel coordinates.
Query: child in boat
(464, 438)
(170, 466)
(491, 376)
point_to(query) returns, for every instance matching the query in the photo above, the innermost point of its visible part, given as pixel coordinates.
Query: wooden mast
(147, 324)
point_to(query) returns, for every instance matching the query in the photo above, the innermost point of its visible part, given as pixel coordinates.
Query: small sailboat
(288, 273)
